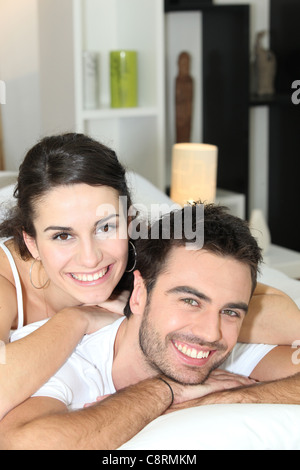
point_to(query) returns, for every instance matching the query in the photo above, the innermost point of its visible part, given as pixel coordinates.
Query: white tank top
(17, 282)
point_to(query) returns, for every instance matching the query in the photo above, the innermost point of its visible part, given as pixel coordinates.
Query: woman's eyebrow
(70, 229)
(58, 228)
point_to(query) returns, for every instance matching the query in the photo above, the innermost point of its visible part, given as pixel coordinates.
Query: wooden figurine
(265, 68)
(184, 99)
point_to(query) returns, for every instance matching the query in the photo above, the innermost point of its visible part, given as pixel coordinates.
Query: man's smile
(192, 352)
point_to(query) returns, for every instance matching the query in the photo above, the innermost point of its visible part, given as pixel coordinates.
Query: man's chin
(196, 376)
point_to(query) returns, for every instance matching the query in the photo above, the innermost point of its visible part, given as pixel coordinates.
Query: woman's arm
(32, 360)
(273, 318)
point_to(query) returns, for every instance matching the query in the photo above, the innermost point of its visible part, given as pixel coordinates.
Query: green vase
(123, 79)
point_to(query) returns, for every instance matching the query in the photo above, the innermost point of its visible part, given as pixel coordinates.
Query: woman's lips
(91, 278)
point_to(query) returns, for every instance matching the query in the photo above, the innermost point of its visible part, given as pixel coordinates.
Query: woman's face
(81, 240)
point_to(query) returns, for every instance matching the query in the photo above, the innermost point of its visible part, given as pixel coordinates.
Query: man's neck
(129, 365)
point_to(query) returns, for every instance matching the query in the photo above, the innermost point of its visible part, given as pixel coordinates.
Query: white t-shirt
(87, 374)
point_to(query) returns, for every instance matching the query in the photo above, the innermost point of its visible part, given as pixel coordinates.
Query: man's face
(193, 318)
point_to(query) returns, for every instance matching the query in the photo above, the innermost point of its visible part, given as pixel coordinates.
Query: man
(183, 320)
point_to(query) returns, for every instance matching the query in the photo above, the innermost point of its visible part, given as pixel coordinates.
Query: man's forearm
(106, 425)
(285, 391)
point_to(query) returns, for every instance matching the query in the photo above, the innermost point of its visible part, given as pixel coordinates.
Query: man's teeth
(90, 277)
(192, 352)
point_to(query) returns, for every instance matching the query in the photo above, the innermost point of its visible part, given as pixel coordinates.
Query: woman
(66, 246)
(67, 238)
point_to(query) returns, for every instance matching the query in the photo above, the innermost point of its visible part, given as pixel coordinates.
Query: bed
(230, 427)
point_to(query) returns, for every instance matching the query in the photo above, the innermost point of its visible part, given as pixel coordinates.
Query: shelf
(113, 113)
(136, 134)
(283, 259)
(271, 100)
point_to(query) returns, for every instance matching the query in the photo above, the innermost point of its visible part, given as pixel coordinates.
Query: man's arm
(44, 423)
(284, 391)
(278, 374)
(273, 318)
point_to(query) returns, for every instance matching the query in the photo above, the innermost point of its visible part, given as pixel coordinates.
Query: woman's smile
(78, 241)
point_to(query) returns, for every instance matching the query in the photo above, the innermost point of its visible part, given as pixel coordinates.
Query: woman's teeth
(90, 277)
(192, 352)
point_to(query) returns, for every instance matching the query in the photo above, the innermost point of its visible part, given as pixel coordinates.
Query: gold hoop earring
(30, 276)
(135, 258)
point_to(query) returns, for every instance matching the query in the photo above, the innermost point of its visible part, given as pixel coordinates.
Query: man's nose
(208, 326)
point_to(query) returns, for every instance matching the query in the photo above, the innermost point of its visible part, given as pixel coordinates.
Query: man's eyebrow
(189, 290)
(69, 229)
(238, 306)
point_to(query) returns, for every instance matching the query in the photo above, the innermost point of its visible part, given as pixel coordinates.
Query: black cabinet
(284, 127)
(225, 78)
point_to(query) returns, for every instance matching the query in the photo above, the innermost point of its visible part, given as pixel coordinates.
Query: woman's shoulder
(8, 257)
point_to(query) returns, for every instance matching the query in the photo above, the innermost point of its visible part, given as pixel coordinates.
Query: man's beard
(156, 353)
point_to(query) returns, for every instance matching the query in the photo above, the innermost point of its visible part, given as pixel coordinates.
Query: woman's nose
(90, 254)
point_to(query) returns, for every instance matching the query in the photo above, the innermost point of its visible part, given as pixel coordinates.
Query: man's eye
(191, 302)
(231, 313)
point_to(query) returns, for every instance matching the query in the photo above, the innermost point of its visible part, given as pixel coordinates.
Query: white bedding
(274, 427)
(231, 427)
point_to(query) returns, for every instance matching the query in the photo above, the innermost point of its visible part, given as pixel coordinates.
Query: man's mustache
(197, 341)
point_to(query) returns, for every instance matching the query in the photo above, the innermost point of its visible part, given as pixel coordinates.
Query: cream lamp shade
(194, 173)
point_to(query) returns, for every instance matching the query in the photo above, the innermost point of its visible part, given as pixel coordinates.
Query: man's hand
(193, 395)
(218, 380)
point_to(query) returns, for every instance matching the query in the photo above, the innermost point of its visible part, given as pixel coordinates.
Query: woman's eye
(62, 237)
(106, 228)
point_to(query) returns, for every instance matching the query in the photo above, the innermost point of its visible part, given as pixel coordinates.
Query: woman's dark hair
(54, 161)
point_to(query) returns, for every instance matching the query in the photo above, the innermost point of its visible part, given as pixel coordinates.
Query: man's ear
(31, 245)
(138, 299)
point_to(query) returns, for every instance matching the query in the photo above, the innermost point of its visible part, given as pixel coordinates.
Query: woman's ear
(138, 299)
(31, 244)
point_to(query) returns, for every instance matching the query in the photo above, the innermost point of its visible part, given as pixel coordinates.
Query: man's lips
(192, 351)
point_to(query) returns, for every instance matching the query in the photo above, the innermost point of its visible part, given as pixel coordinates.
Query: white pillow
(149, 200)
(6, 199)
(223, 427)
(145, 196)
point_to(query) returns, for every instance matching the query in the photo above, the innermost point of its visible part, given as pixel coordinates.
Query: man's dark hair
(223, 234)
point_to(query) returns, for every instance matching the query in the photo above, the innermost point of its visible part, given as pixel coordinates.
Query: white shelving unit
(69, 27)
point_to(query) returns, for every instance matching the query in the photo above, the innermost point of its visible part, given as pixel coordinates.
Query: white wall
(19, 69)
